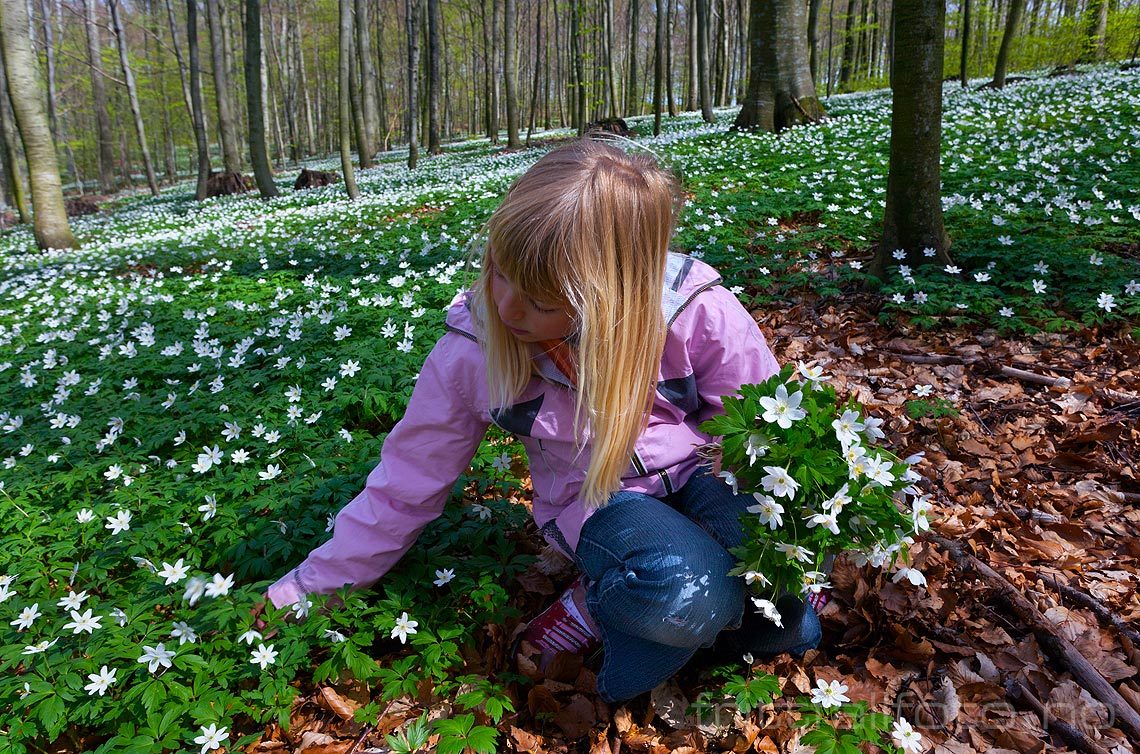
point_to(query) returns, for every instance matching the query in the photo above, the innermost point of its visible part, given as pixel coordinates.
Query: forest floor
(1036, 481)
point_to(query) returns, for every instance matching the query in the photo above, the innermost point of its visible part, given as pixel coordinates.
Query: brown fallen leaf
(1074, 705)
(341, 706)
(527, 742)
(539, 700)
(623, 720)
(576, 718)
(669, 703)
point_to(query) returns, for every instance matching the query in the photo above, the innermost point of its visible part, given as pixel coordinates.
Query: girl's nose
(510, 306)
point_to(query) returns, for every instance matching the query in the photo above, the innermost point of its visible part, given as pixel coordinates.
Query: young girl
(602, 351)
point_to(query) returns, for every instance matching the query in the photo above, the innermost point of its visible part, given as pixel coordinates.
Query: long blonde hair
(587, 226)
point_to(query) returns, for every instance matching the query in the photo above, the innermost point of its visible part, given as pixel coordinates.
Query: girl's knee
(703, 604)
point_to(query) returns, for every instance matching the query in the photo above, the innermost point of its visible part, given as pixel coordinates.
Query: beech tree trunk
(412, 11)
(780, 89)
(103, 137)
(1096, 26)
(670, 21)
(632, 106)
(704, 86)
(913, 217)
(197, 111)
(364, 52)
(11, 137)
(850, 46)
(659, 43)
(611, 61)
(227, 126)
(579, 66)
(435, 83)
(49, 220)
(1012, 19)
(57, 121)
(813, 38)
(183, 75)
(254, 100)
(511, 73)
(132, 94)
(964, 62)
(344, 81)
(691, 56)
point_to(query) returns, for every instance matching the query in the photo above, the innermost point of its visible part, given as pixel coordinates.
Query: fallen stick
(1018, 691)
(1126, 718)
(1021, 374)
(1039, 379)
(1106, 616)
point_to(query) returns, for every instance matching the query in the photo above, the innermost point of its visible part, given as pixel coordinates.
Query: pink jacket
(712, 348)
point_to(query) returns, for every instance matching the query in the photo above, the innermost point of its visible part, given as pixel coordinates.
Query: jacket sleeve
(727, 349)
(420, 460)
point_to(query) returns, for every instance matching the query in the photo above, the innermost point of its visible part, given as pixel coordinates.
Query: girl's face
(529, 320)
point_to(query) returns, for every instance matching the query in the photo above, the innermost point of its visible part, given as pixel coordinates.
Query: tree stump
(223, 184)
(314, 178)
(607, 126)
(80, 206)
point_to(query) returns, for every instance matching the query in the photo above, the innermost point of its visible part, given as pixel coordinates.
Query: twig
(1127, 718)
(363, 734)
(1106, 616)
(1039, 379)
(1021, 374)
(1072, 735)
(981, 421)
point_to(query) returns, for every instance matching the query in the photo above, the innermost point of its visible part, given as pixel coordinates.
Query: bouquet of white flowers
(821, 484)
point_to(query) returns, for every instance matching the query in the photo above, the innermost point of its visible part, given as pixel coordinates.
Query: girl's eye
(543, 310)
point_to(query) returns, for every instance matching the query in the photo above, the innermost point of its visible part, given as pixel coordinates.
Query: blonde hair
(588, 227)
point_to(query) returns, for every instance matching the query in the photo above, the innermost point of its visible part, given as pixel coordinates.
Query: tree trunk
(612, 76)
(850, 37)
(659, 43)
(380, 78)
(1016, 8)
(1096, 26)
(132, 94)
(412, 10)
(813, 38)
(344, 81)
(57, 121)
(227, 128)
(963, 64)
(182, 73)
(435, 83)
(303, 93)
(913, 217)
(691, 56)
(511, 73)
(780, 90)
(538, 57)
(703, 84)
(197, 108)
(369, 108)
(11, 136)
(632, 107)
(50, 225)
(579, 66)
(669, 31)
(254, 99)
(103, 135)
(496, 56)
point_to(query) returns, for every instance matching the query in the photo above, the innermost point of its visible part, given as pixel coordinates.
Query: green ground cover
(190, 397)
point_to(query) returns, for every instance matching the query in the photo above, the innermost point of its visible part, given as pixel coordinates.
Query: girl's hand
(258, 622)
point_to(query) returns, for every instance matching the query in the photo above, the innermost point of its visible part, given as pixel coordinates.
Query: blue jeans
(659, 588)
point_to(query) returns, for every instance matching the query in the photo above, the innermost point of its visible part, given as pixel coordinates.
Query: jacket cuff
(287, 591)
